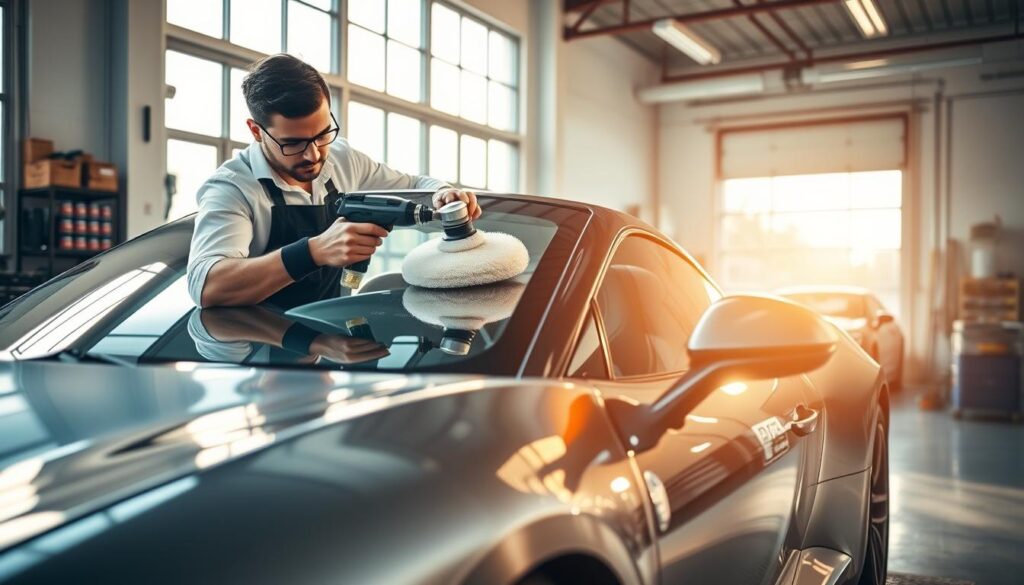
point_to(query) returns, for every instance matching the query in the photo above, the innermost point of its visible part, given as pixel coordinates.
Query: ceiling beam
(789, 32)
(767, 33)
(717, 14)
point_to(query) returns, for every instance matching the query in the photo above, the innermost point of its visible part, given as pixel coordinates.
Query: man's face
(302, 167)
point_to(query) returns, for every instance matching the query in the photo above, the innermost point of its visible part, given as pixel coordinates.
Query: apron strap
(273, 191)
(331, 189)
(332, 197)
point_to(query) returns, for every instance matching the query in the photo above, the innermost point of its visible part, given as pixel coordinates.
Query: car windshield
(850, 306)
(131, 305)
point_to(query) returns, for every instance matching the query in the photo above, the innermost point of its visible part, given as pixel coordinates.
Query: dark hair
(282, 84)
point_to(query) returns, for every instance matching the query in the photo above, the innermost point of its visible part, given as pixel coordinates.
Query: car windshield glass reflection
(133, 306)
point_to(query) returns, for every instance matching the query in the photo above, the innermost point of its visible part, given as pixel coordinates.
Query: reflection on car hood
(78, 437)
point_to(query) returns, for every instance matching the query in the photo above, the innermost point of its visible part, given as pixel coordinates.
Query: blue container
(987, 369)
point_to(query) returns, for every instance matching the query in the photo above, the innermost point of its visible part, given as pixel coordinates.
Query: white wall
(68, 69)
(137, 82)
(985, 175)
(608, 139)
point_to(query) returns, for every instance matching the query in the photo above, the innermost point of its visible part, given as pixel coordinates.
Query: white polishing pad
(482, 258)
(463, 308)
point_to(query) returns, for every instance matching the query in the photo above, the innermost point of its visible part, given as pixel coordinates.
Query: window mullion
(425, 51)
(284, 26)
(226, 26)
(225, 101)
(384, 150)
(387, 9)
(337, 38)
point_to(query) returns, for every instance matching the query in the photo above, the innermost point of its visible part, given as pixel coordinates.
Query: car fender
(528, 547)
(850, 386)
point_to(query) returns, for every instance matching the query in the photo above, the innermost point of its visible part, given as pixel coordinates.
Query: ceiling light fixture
(684, 39)
(868, 17)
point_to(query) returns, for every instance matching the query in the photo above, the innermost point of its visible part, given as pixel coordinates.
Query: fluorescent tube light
(876, 17)
(702, 89)
(868, 18)
(686, 41)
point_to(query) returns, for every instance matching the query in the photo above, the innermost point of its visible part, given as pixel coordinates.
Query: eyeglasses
(295, 147)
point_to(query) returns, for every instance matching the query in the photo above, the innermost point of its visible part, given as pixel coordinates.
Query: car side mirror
(883, 318)
(737, 338)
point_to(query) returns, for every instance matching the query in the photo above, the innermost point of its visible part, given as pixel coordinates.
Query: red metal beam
(789, 31)
(838, 58)
(767, 33)
(584, 15)
(570, 5)
(717, 14)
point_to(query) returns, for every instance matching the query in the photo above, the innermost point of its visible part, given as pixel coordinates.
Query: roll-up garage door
(812, 204)
(826, 146)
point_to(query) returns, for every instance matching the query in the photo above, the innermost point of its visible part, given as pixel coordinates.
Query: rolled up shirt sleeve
(223, 229)
(376, 175)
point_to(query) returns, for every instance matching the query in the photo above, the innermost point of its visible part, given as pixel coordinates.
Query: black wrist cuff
(298, 261)
(298, 338)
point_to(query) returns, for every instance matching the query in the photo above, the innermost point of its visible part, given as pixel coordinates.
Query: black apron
(291, 223)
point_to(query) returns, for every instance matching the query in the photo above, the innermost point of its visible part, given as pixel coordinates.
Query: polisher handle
(363, 265)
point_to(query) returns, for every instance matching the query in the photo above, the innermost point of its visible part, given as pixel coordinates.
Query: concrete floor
(957, 489)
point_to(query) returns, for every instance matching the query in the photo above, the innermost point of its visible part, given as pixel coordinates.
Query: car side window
(650, 301)
(588, 360)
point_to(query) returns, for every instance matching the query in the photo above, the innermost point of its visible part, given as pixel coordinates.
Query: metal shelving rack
(48, 197)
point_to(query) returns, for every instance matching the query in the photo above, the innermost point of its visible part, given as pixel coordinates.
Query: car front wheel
(876, 556)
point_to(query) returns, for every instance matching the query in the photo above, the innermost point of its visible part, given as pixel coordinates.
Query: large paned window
(385, 46)
(306, 28)
(472, 69)
(455, 76)
(820, 229)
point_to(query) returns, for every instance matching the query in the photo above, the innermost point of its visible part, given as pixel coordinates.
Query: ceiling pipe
(848, 57)
(724, 87)
(721, 13)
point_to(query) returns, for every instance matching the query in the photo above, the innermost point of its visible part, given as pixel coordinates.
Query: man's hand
(347, 350)
(445, 196)
(344, 243)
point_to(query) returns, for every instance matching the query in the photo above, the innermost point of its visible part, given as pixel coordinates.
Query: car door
(725, 480)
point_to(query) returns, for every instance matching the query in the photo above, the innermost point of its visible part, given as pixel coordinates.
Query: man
(264, 231)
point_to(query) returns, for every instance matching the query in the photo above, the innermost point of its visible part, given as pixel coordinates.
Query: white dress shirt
(234, 210)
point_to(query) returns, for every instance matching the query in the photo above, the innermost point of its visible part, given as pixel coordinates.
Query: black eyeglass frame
(306, 142)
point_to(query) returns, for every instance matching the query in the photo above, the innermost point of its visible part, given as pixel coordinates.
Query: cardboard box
(52, 172)
(101, 176)
(36, 149)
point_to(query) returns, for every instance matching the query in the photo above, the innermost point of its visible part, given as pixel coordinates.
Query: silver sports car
(607, 417)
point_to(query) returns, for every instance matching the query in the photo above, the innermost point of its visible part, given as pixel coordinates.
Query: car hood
(80, 437)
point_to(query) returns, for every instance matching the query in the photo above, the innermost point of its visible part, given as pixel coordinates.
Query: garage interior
(783, 143)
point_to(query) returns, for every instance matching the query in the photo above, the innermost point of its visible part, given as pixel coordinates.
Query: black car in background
(610, 419)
